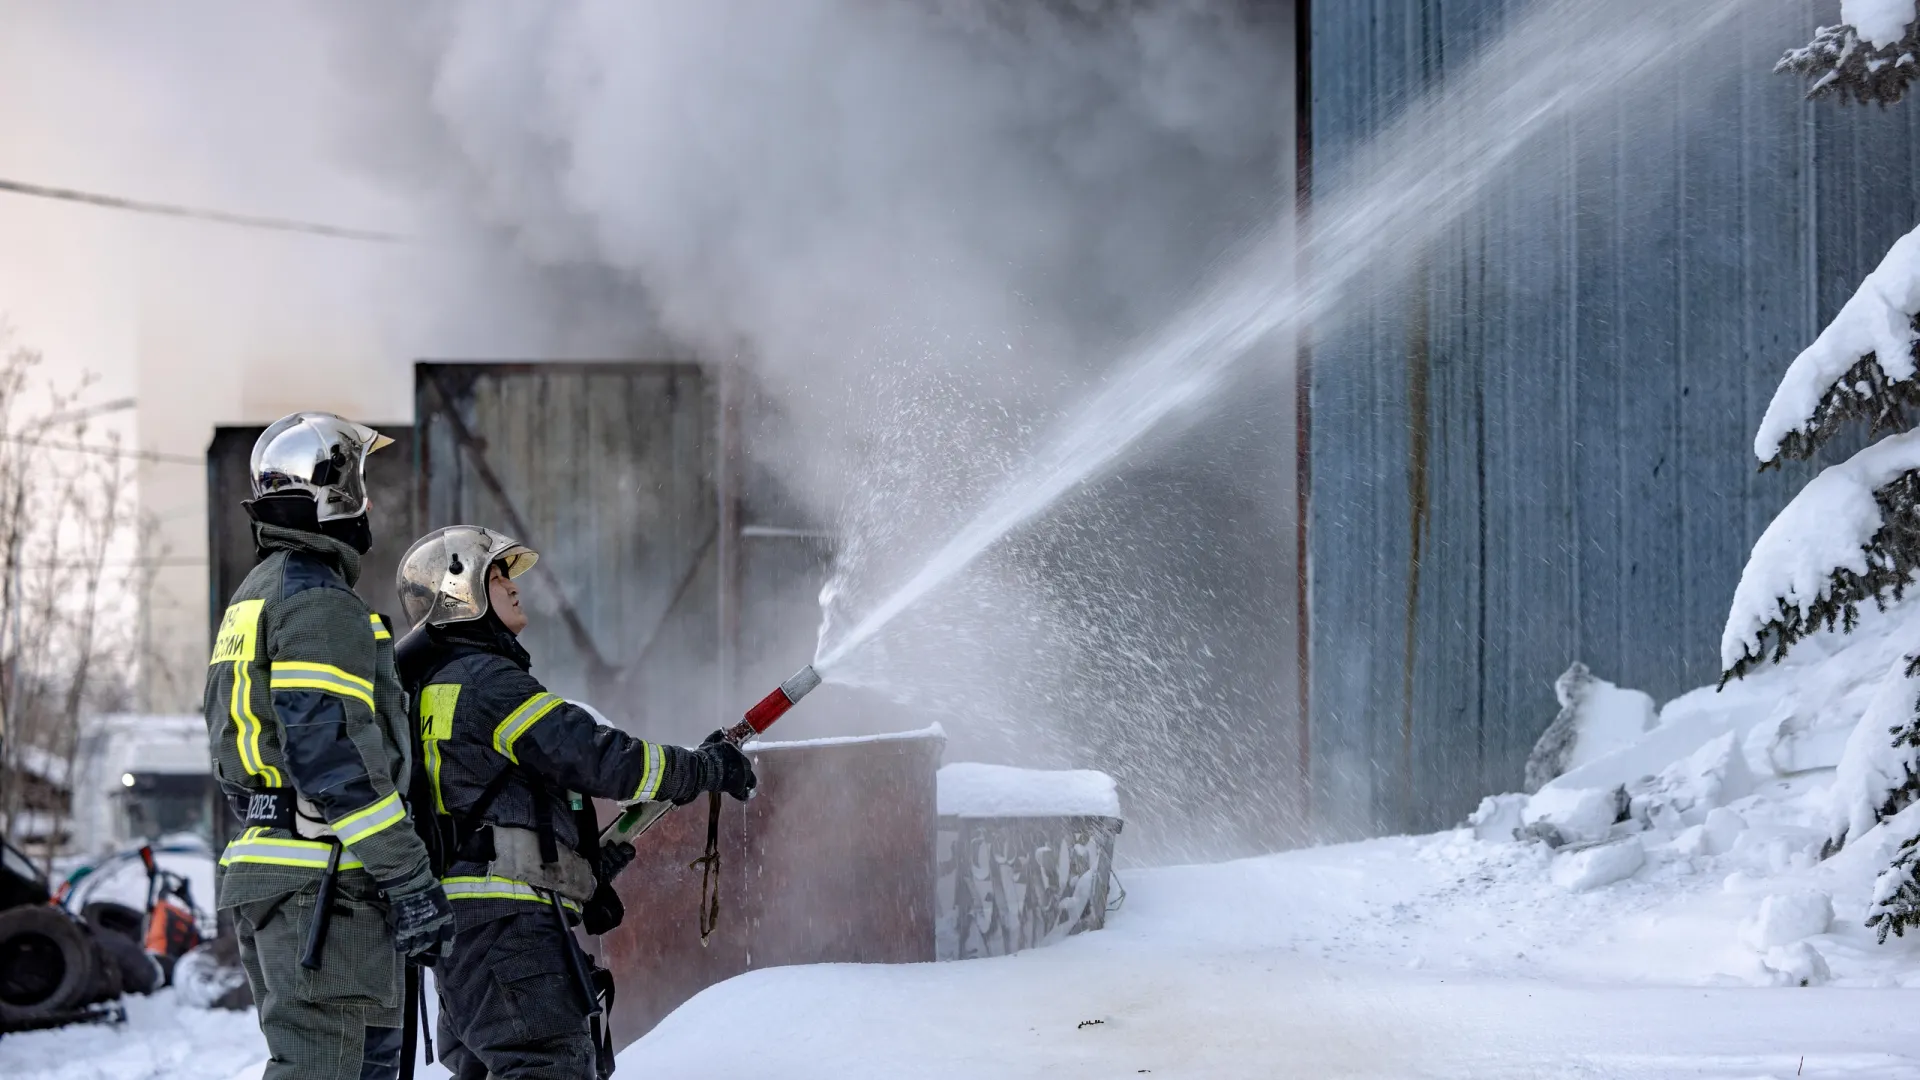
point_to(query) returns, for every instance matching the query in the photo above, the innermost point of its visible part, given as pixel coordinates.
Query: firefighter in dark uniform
(509, 769)
(311, 738)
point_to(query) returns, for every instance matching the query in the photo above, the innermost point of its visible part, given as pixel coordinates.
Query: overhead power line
(248, 221)
(108, 451)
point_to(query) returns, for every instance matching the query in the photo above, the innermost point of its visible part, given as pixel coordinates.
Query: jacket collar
(339, 555)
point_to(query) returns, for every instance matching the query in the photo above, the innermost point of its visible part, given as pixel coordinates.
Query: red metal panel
(832, 862)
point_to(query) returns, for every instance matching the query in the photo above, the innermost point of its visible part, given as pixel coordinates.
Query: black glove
(613, 859)
(422, 922)
(603, 911)
(722, 768)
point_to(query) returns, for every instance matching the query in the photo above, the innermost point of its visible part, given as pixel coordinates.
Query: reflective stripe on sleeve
(247, 727)
(497, 888)
(650, 780)
(254, 846)
(380, 631)
(299, 675)
(366, 821)
(520, 720)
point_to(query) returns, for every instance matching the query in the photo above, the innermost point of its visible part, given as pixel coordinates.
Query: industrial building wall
(1540, 452)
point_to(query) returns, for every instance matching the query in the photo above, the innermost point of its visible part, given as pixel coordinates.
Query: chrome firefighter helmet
(320, 455)
(443, 577)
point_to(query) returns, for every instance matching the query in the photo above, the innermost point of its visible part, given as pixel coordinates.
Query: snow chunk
(1798, 964)
(1881, 22)
(1785, 918)
(1601, 865)
(1686, 790)
(1579, 815)
(1878, 320)
(1722, 828)
(1498, 817)
(1825, 528)
(1871, 767)
(970, 789)
(1596, 718)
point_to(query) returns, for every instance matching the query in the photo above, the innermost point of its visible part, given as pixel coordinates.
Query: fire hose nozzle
(775, 705)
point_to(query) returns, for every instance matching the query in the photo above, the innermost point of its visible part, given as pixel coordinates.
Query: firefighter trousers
(511, 1007)
(341, 1022)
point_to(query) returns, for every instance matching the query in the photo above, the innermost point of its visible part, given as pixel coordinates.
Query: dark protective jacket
(480, 712)
(302, 694)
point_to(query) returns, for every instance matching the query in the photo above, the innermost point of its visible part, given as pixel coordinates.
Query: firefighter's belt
(516, 854)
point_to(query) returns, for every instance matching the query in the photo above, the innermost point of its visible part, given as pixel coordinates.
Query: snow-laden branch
(1852, 535)
(1870, 57)
(1880, 22)
(1861, 365)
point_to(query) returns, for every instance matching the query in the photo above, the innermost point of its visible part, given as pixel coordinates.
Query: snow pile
(162, 1039)
(1596, 717)
(1789, 917)
(973, 790)
(1826, 527)
(1878, 319)
(1880, 22)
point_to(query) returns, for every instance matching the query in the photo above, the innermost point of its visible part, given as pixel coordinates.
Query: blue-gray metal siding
(1544, 453)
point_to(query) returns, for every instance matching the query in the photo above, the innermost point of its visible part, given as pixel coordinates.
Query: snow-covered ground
(1435, 956)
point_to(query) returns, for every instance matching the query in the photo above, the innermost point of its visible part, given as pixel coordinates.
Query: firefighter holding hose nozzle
(507, 772)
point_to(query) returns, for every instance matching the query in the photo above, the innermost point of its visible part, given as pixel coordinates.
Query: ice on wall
(1826, 527)
(1878, 319)
(1880, 22)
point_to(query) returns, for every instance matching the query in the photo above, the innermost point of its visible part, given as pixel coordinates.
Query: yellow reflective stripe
(650, 780)
(254, 847)
(497, 888)
(432, 747)
(247, 727)
(299, 675)
(369, 820)
(380, 632)
(519, 720)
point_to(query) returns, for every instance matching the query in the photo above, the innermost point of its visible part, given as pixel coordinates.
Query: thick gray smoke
(925, 228)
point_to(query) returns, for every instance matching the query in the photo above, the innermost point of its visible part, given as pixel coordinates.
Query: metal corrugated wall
(1544, 453)
(608, 471)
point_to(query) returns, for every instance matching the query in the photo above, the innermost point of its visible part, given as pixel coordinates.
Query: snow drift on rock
(1596, 718)
(1878, 319)
(1825, 528)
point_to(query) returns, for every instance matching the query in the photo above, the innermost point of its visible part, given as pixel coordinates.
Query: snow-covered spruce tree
(1852, 535)
(1870, 57)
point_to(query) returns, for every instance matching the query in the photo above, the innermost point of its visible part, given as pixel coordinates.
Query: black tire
(139, 973)
(112, 918)
(47, 965)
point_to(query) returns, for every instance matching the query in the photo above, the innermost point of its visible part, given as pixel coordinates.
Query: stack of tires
(56, 968)
(53, 967)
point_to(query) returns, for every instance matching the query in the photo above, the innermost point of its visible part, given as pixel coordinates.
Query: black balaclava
(298, 511)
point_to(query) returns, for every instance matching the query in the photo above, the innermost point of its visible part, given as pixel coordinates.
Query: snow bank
(1878, 319)
(1825, 528)
(970, 789)
(1881, 22)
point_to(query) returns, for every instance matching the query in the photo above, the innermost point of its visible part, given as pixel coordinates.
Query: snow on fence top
(931, 731)
(1880, 22)
(1826, 527)
(972, 790)
(1878, 319)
